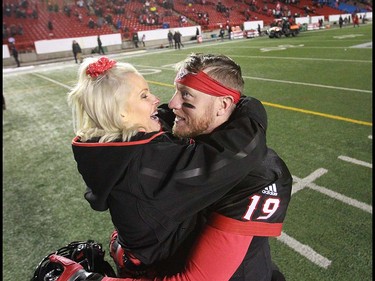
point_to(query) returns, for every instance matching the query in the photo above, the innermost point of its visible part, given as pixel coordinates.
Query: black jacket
(14, 52)
(154, 188)
(76, 48)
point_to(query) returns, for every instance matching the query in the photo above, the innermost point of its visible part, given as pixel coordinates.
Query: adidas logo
(270, 190)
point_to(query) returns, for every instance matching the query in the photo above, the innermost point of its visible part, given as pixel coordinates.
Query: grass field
(317, 90)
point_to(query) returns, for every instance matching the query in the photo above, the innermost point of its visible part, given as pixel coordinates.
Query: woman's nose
(156, 100)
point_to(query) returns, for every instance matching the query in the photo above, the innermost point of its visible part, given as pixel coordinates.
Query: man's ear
(226, 105)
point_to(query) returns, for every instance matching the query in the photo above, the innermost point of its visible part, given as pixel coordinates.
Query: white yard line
(363, 46)
(304, 250)
(302, 58)
(345, 199)
(309, 84)
(305, 182)
(297, 246)
(52, 80)
(300, 184)
(308, 182)
(355, 161)
(245, 77)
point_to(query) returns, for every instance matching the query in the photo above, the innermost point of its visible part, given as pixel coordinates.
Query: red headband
(202, 82)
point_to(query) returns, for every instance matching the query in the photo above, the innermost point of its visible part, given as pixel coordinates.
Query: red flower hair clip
(101, 66)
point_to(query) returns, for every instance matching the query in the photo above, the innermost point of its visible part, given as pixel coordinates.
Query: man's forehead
(193, 92)
(182, 87)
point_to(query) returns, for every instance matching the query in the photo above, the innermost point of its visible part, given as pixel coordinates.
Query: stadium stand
(71, 19)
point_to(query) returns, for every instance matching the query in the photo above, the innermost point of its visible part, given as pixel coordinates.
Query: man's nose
(174, 102)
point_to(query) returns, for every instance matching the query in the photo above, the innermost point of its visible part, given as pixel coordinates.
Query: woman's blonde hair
(96, 103)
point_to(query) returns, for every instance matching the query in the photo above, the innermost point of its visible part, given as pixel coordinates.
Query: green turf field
(317, 90)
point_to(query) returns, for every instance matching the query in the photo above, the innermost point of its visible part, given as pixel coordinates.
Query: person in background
(77, 52)
(221, 33)
(100, 46)
(236, 227)
(355, 20)
(91, 23)
(177, 40)
(11, 40)
(170, 39)
(4, 105)
(14, 53)
(50, 25)
(135, 39)
(341, 21)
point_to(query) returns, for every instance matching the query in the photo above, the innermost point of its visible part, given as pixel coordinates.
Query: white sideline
(355, 161)
(304, 250)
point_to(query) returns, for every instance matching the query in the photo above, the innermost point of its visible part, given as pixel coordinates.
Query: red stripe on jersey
(76, 142)
(252, 228)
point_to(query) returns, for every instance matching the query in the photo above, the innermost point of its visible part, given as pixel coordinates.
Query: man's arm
(215, 256)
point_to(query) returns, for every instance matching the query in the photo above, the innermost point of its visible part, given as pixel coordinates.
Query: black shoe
(276, 273)
(277, 276)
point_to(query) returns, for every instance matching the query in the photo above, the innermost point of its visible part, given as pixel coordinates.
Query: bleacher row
(65, 26)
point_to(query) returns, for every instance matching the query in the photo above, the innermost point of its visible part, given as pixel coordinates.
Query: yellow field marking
(161, 84)
(318, 114)
(335, 117)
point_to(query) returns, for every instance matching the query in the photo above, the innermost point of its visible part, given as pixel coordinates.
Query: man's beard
(195, 127)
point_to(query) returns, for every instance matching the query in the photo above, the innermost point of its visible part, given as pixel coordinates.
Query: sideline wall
(248, 25)
(58, 48)
(62, 48)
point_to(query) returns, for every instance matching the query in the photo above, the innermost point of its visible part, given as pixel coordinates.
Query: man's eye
(185, 95)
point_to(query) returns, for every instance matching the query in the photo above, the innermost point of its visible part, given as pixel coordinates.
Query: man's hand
(127, 265)
(72, 271)
(166, 117)
(116, 251)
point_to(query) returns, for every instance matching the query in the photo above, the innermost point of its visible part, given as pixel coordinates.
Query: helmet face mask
(88, 254)
(47, 271)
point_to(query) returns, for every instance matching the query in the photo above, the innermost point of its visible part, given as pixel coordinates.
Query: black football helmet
(89, 254)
